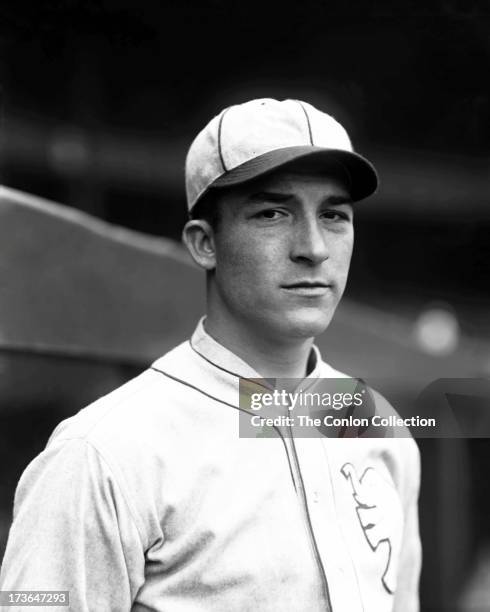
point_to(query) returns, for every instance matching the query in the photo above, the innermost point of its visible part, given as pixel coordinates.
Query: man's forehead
(296, 180)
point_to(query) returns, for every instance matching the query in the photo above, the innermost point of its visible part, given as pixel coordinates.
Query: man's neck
(266, 356)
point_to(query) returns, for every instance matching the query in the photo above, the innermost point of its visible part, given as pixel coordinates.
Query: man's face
(283, 250)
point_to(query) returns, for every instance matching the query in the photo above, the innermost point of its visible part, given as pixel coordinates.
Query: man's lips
(306, 284)
(308, 288)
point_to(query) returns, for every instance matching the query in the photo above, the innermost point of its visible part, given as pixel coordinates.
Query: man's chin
(306, 324)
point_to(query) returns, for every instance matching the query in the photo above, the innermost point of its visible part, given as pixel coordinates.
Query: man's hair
(207, 209)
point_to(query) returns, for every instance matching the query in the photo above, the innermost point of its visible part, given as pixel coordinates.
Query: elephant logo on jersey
(380, 516)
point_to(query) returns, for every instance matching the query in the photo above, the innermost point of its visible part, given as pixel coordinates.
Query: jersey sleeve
(73, 530)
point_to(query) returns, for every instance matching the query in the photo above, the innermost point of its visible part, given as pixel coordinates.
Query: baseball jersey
(149, 500)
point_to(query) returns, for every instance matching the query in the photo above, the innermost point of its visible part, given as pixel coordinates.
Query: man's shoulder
(124, 410)
(394, 440)
(382, 406)
(105, 413)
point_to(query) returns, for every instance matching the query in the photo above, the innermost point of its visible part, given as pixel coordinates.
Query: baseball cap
(249, 140)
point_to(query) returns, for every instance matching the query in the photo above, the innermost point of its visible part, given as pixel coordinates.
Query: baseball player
(149, 499)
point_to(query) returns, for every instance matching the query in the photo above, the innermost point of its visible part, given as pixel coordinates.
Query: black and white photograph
(245, 306)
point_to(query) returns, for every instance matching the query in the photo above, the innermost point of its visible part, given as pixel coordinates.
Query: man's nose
(309, 242)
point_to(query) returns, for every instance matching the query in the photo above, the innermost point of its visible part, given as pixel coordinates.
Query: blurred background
(99, 101)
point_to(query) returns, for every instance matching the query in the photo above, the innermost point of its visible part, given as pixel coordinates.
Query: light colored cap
(248, 140)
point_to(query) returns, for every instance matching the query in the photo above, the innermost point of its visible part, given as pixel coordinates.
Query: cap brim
(360, 173)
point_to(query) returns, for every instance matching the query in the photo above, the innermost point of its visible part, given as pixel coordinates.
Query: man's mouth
(308, 288)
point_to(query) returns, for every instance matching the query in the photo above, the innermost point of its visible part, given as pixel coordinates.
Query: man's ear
(198, 237)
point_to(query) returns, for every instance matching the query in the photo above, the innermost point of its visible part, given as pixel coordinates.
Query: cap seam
(307, 122)
(220, 150)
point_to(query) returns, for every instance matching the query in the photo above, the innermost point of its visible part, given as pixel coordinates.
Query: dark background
(100, 100)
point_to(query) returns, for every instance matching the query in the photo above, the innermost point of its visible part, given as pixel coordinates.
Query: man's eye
(270, 213)
(335, 215)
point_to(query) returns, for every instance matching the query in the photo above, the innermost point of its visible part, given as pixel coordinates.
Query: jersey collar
(224, 359)
(207, 366)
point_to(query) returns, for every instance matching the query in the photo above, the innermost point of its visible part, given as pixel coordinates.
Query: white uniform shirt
(148, 499)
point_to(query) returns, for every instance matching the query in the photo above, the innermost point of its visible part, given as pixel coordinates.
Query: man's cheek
(237, 250)
(344, 254)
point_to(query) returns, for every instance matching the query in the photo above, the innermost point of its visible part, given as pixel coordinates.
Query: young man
(149, 499)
